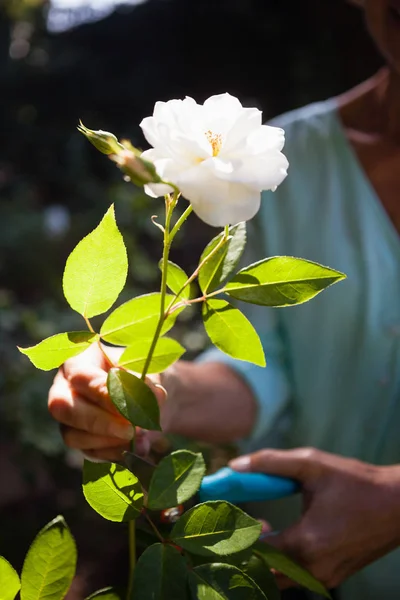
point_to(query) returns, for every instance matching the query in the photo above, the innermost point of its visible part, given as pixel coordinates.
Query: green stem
(169, 206)
(89, 325)
(180, 222)
(197, 270)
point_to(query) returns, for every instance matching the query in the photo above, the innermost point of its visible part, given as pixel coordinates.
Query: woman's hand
(351, 511)
(207, 402)
(79, 400)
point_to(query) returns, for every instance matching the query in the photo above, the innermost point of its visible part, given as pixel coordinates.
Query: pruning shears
(225, 484)
(236, 487)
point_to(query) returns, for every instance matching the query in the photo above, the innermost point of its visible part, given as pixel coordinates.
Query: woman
(333, 375)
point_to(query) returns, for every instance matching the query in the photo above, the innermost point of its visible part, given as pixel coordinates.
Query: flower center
(215, 139)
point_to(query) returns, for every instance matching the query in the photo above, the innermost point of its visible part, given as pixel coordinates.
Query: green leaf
(176, 279)
(137, 319)
(176, 479)
(9, 580)
(223, 582)
(55, 350)
(112, 491)
(223, 263)
(105, 594)
(260, 573)
(96, 270)
(167, 351)
(275, 559)
(230, 331)
(160, 574)
(281, 281)
(237, 559)
(134, 399)
(50, 564)
(215, 528)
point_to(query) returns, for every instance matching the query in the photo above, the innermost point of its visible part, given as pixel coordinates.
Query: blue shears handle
(236, 487)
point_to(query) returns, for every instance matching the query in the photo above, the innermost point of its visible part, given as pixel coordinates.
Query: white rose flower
(218, 154)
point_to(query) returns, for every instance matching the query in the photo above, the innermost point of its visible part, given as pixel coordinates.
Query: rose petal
(266, 138)
(216, 201)
(258, 172)
(247, 123)
(223, 105)
(155, 190)
(218, 154)
(167, 168)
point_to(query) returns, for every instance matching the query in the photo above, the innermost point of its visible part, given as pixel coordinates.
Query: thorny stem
(169, 206)
(180, 222)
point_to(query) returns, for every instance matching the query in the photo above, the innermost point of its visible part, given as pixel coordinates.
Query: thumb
(300, 464)
(90, 382)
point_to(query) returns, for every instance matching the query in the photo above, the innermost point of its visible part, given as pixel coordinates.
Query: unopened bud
(139, 170)
(104, 141)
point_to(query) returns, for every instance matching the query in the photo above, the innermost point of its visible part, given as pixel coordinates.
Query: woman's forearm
(208, 402)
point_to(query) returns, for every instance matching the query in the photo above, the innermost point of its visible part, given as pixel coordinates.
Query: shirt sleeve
(269, 385)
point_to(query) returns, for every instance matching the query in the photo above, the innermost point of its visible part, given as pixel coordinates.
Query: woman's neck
(373, 108)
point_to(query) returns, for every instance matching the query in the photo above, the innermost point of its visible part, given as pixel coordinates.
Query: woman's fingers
(71, 409)
(82, 440)
(79, 401)
(91, 383)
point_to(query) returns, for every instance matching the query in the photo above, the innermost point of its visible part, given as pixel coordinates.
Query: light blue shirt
(333, 365)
